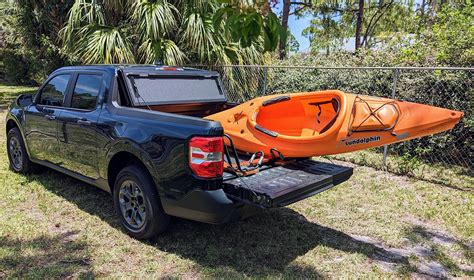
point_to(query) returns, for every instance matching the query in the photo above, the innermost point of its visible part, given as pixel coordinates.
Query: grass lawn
(9, 93)
(375, 225)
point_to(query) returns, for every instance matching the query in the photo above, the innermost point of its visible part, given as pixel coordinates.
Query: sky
(296, 27)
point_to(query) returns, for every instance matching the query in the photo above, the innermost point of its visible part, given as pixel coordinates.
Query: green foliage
(410, 162)
(325, 32)
(30, 34)
(292, 45)
(448, 41)
(172, 31)
(437, 32)
(14, 67)
(334, 22)
(176, 32)
(248, 21)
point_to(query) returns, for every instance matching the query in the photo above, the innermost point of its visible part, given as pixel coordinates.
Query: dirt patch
(428, 251)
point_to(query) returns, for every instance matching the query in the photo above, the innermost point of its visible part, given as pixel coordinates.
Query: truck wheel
(138, 204)
(17, 156)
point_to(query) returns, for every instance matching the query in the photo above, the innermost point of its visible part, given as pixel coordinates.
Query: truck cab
(140, 132)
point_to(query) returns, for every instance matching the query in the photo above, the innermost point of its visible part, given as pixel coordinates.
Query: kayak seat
(336, 107)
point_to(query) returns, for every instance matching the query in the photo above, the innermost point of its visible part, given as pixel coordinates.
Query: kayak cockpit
(303, 116)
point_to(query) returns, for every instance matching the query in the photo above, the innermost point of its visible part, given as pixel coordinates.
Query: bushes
(30, 49)
(15, 69)
(28, 67)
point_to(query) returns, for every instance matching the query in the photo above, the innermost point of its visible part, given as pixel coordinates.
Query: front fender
(15, 114)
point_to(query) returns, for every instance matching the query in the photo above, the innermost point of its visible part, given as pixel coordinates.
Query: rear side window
(53, 92)
(86, 91)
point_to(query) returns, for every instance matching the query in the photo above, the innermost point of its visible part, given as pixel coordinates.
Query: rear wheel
(17, 156)
(137, 203)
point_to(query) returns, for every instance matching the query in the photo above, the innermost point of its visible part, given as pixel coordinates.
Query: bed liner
(282, 185)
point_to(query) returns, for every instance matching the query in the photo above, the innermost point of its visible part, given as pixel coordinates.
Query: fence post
(396, 74)
(265, 75)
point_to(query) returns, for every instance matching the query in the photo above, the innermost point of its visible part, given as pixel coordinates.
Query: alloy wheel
(132, 204)
(16, 154)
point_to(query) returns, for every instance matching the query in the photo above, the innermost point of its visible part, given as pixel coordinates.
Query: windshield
(169, 90)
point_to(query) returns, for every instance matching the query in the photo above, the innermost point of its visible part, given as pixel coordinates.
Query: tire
(17, 155)
(135, 196)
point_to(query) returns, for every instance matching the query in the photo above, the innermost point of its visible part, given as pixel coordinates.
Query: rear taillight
(206, 156)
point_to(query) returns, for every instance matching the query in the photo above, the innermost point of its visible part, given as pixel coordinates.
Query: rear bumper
(212, 207)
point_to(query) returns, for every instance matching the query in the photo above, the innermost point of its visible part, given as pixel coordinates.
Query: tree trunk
(284, 25)
(423, 4)
(360, 18)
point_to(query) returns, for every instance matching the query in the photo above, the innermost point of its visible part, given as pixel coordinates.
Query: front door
(77, 125)
(41, 119)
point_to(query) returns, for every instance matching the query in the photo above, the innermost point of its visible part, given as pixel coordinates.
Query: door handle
(83, 122)
(50, 117)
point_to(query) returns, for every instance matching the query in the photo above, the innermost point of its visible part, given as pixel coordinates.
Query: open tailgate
(282, 185)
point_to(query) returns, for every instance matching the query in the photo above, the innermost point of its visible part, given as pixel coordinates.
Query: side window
(53, 92)
(86, 91)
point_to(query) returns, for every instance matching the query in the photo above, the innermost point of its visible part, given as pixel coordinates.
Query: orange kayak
(328, 122)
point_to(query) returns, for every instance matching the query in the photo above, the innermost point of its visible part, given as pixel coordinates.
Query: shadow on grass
(433, 249)
(44, 257)
(263, 245)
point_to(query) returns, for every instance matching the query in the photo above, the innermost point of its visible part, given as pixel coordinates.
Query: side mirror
(24, 100)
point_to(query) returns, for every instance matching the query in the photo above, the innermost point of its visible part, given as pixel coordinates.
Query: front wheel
(137, 203)
(17, 156)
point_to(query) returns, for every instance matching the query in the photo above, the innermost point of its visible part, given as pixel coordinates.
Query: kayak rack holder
(275, 153)
(236, 156)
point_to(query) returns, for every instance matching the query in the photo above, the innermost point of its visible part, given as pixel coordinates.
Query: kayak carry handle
(278, 154)
(266, 131)
(275, 100)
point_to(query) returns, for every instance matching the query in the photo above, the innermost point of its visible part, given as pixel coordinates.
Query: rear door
(41, 118)
(77, 125)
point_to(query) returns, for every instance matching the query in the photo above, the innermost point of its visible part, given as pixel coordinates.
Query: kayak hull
(328, 122)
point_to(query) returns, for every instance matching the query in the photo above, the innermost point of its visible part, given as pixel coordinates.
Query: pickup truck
(139, 132)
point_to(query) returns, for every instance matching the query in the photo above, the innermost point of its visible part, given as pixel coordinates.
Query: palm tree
(140, 31)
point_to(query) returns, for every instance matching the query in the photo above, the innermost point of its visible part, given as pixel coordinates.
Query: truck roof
(144, 69)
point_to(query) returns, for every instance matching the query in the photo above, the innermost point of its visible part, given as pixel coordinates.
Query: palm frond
(165, 50)
(103, 44)
(198, 36)
(154, 19)
(82, 12)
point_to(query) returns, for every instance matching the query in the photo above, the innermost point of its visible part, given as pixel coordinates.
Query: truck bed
(199, 110)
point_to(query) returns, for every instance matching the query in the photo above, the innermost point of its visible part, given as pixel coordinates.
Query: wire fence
(443, 87)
